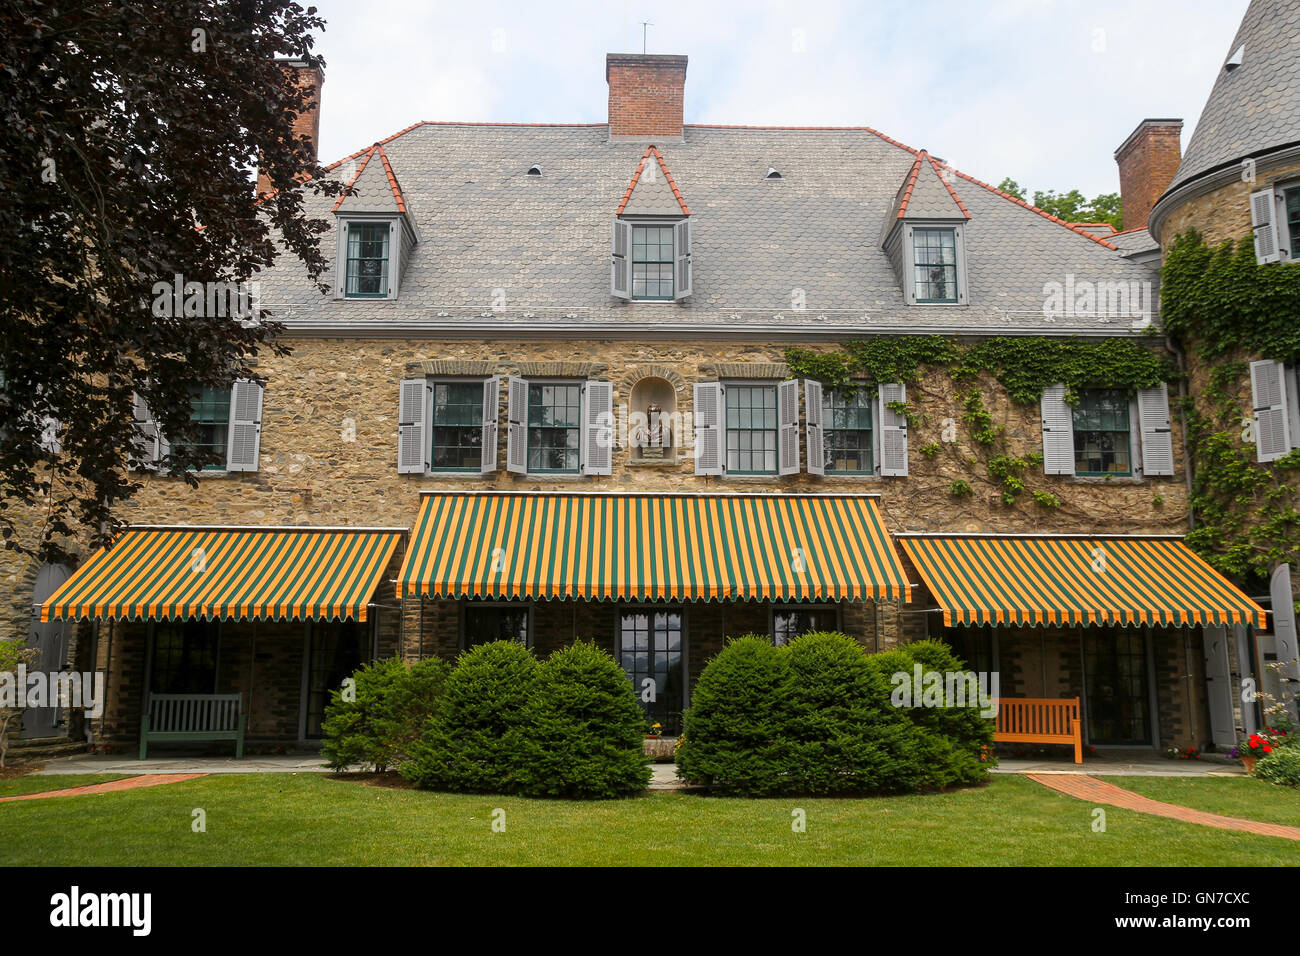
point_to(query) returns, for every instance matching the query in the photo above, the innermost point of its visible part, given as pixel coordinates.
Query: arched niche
(654, 426)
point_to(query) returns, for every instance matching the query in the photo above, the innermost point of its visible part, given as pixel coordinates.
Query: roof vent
(534, 170)
(773, 173)
(1235, 60)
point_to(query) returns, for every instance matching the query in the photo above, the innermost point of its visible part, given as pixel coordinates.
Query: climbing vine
(1023, 366)
(1224, 308)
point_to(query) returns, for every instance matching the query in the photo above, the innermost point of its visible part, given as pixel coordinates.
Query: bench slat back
(194, 713)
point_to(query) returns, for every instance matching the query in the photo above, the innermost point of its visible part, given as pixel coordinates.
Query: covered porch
(225, 638)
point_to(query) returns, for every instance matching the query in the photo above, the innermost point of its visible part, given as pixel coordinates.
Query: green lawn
(12, 786)
(1243, 797)
(274, 819)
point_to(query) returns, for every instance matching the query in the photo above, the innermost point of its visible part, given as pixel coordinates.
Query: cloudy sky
(1038, 90)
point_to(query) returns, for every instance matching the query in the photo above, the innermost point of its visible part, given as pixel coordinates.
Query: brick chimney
(1147, 162)
(306, 123)
(645, 95)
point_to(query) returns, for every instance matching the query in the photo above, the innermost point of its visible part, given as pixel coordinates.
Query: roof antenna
(644, 24)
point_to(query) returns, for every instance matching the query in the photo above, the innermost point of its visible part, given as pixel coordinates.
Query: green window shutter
(244, 436)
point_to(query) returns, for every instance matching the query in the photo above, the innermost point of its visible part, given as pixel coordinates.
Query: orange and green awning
(1074, 580)
(162, 573)
(651, 547)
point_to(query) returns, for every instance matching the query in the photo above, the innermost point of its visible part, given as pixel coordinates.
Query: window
(367, 260)
(336, 650)
(457, 426)
(1291, 201)
(847, 424)
(751, 429)
(1101, 433)
(210, 409)
(484, 623)
(934, 264)
(652, 262)
(184, 657)
(554, 427)
(791, 620)
(652, 649)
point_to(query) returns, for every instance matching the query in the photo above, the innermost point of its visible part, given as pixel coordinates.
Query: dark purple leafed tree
(128, 136)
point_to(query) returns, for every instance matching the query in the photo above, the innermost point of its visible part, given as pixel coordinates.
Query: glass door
(337, 649)
(652, 649)
(1115, 662)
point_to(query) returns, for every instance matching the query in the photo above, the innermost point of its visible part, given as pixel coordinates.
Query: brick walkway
(130, 783)
(1099, 791)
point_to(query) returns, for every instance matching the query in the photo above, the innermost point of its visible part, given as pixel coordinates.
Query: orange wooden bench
(1040, 720)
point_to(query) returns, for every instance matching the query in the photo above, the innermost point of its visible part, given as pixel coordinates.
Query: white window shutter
(1268, 395)
(814, 433)
(597, 428)
(146, 430)
(1157, 438)
(620, 259)
(1263, 223)
(412, 415)
(1058, 432)
(709, 415)
(491, 398)
(893, 430)
(684, 275)
(243, 444)
(787, 420)
(517, 426)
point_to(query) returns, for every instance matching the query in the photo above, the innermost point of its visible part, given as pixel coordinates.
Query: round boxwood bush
(389, 708)
(584, 728)
(1282, 767)
(733, 732)
(477, 740)
(963, 751)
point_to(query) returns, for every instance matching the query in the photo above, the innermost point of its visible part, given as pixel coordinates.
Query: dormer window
(651, 261)
(934, 264)
(367, 260)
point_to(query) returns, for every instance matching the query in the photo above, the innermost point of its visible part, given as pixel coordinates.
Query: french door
(1118, 688)
(652, 650)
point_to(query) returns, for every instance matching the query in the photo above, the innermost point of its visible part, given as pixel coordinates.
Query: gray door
(1218, 687)
(51, 641)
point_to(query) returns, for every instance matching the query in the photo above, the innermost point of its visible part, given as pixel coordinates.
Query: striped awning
(1079, 580)
(650, 547)
(160, 573)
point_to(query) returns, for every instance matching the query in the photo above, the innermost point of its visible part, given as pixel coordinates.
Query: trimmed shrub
(964, 737)
(1282, 767)
(392, 705)
(584, 728)
(477, 739)
(816, 717)
(732, 738)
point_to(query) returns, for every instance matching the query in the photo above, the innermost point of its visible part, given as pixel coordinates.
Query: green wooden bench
(193, 717)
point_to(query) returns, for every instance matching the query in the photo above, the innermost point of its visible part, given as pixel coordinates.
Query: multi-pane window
(337, 649)
(457, 426)
(496, 622)
(652, 652)
(934, 262)
(367, 265)
(210, 410)
(184, 657)
(791, 620)
(751, 429)
(1292, 204)
(652, 262)
(847, 431)
(1101, 433)
(554, 427)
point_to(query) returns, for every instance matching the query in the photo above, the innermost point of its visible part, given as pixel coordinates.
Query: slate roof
(1255, 107)
(487, 225)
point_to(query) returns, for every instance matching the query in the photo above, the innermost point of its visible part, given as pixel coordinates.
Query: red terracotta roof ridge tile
(1125, 232)
(947, 185)
(392, 180)
(636, 176)
(910, 185)
(355, 176)
(1031, 208)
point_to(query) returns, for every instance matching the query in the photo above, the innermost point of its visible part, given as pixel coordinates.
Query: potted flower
(1251, 749)
(655, 731)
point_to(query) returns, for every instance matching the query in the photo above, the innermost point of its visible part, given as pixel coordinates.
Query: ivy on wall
(1023, 366)
(1224, 308)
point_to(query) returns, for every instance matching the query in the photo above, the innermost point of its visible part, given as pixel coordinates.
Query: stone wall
(1223, 213)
